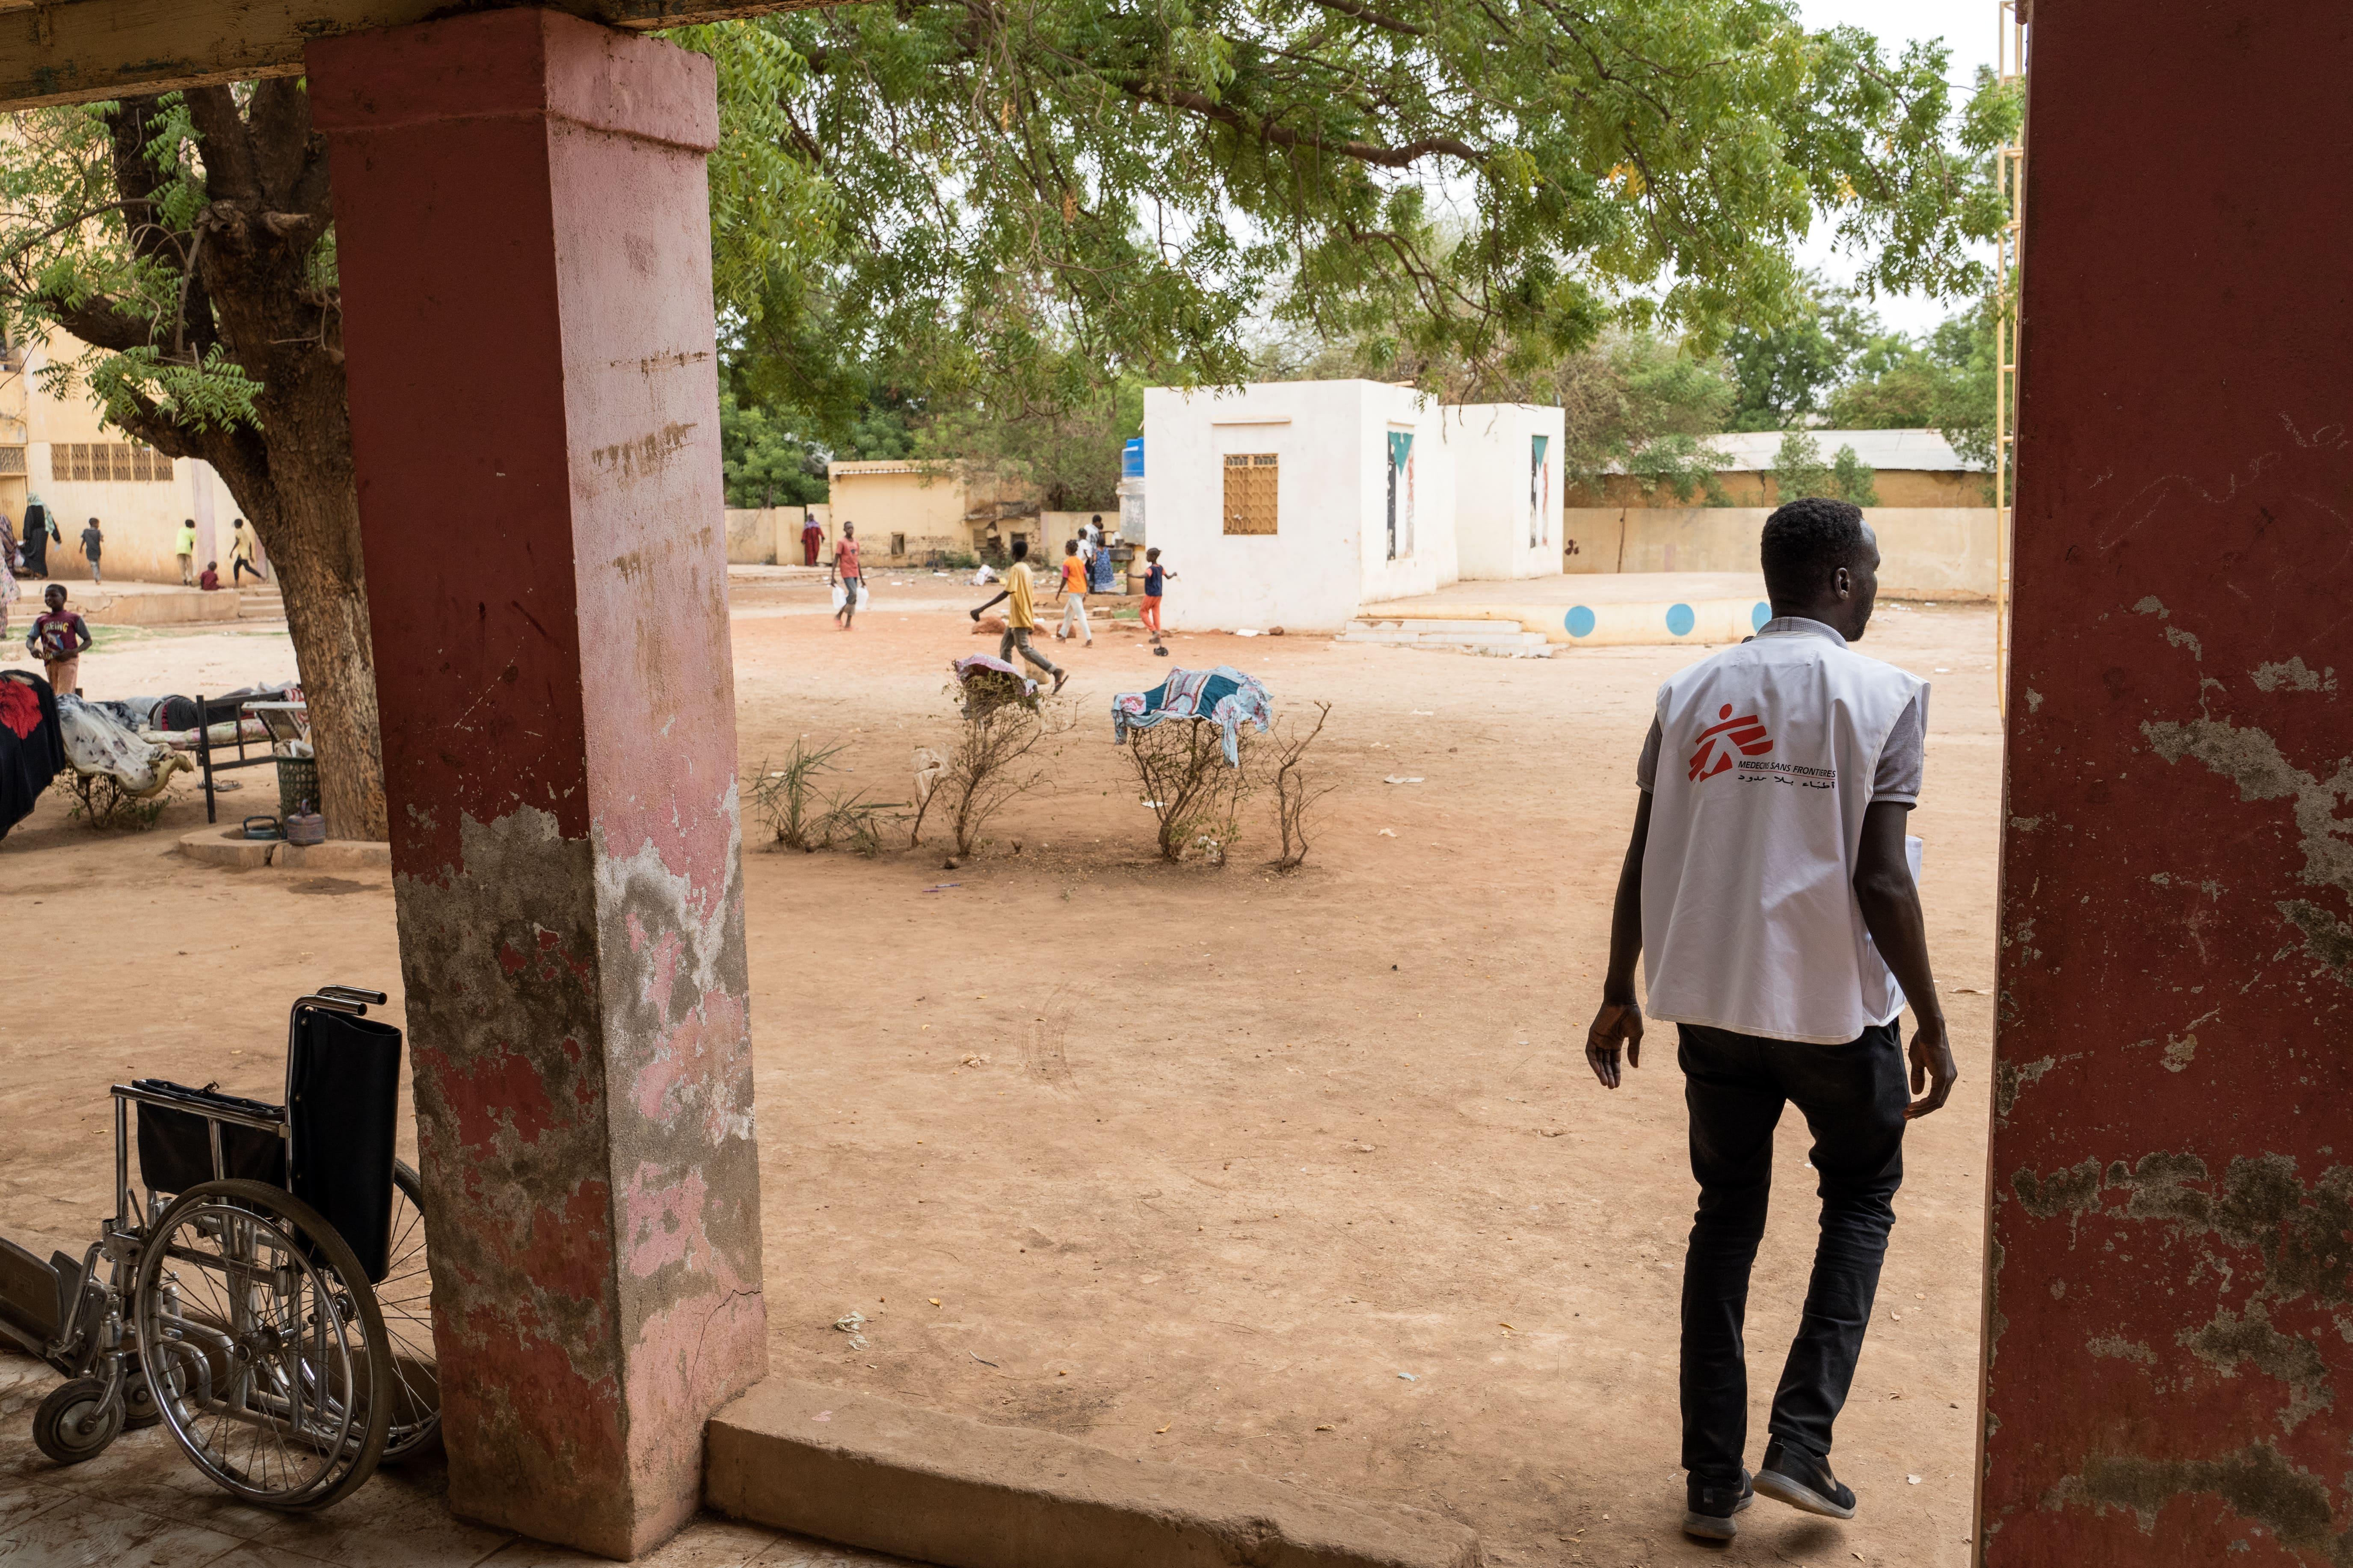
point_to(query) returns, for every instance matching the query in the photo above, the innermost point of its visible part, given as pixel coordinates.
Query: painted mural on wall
(1400, 500)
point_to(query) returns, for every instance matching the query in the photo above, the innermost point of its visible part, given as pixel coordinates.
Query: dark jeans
(1852, 1097)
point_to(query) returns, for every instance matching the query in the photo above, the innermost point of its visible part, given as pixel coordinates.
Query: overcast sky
(1969, 27)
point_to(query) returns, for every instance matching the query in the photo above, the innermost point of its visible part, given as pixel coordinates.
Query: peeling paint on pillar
(524, 237)
(2170, 1304)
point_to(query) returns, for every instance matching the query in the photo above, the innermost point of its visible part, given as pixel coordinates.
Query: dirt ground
(1299, 1175)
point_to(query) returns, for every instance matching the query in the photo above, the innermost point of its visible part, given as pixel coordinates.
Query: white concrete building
(1507, 491)
(1291, 503)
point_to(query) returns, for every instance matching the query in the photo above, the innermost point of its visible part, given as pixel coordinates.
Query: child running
(1020, 619)
(1075, 595)
(1156, 578)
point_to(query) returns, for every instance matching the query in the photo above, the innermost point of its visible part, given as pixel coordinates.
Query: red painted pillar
(524, 236)
(2170, 1322)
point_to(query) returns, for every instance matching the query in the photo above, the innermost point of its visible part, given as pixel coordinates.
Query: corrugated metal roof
(1750, 451)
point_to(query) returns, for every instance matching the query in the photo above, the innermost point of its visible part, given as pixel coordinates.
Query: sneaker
(1794, 1477)
(1060, 676)
(1709, 1509)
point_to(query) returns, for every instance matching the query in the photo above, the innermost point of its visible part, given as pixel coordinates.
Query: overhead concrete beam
(933, 1488)
(85, 50)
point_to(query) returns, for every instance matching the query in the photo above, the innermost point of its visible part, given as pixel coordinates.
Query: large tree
(187, 240)
(1026, 201)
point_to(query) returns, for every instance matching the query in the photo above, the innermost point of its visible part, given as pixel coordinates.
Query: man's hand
(1933, 1069)
(976, 616)
(1616, 1023)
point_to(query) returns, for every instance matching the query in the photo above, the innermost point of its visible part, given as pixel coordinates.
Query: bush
(989, 765)
(799, 817)
(1197, 795)
(1297, 787)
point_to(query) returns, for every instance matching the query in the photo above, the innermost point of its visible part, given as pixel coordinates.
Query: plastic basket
(297, 781)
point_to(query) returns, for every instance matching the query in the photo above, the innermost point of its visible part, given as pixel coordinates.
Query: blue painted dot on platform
(1680, 620)
(1758, 617)
(1579, 622)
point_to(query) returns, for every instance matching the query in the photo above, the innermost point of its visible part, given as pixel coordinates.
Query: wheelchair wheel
(77, 1421)
(405, 1295)
(263, 1345)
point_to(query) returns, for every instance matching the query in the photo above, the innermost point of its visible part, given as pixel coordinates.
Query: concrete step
(1497, 636)
(1419, 625)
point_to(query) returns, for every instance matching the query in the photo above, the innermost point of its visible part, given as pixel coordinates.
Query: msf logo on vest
(1745, 734)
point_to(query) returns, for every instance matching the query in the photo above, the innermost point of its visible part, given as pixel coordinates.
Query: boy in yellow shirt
(1020, 616)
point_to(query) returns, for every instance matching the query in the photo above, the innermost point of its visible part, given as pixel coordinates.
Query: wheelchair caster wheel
(77, 1421)
(138, 1400)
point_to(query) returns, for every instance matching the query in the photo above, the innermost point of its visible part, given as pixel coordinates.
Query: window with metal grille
(1250, 492)
(108, 462)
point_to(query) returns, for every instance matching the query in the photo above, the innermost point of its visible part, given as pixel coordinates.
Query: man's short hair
(1069, 547)
(1020, 548)
(1805, 542)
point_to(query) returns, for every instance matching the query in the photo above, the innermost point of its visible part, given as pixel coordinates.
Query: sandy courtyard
(1299, 1175)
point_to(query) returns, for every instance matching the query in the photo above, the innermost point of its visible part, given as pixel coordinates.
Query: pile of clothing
(32, 746)
(1224, 697)
(97, 741)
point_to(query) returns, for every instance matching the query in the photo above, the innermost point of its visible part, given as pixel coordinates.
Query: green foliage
(72, 241)
(1798, 471)
(764, 462)
(1068, 449)
(1014, 206)
(1642, 403)
(1783, 374)
(1943, 383)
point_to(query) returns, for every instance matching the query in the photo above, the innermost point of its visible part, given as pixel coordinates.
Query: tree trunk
(311, 527)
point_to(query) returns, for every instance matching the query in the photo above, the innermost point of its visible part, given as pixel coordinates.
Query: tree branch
(1363, 13)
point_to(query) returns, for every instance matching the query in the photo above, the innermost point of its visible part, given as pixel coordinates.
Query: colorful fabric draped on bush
(1224, 696)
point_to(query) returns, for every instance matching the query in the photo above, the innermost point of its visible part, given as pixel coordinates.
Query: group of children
(1078, 558)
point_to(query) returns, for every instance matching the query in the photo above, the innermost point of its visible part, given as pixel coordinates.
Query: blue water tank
(1131, 458)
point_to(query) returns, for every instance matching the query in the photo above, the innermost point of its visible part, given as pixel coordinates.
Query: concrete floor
(142, 1505)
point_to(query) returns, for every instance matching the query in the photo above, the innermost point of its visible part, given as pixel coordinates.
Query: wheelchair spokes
(262, 1355)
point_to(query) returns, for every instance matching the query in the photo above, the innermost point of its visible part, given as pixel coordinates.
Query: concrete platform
(226, 844)
(873, 1473)
(1618, 609)
(160, 604)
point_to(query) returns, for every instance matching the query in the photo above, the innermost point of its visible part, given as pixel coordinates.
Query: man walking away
(57, 640)
(846, 573)
(240, 553)
(1021, 618)
(1769, 890)
(184, 546)
(1075, 595)
(92, 540)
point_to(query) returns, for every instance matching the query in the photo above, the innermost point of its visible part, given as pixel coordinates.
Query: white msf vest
(1767, 756)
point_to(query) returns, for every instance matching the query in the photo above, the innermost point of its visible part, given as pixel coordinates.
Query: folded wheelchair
(264, 1294)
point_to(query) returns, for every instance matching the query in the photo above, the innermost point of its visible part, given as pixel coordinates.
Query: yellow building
(907, 511)
(56, 451)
